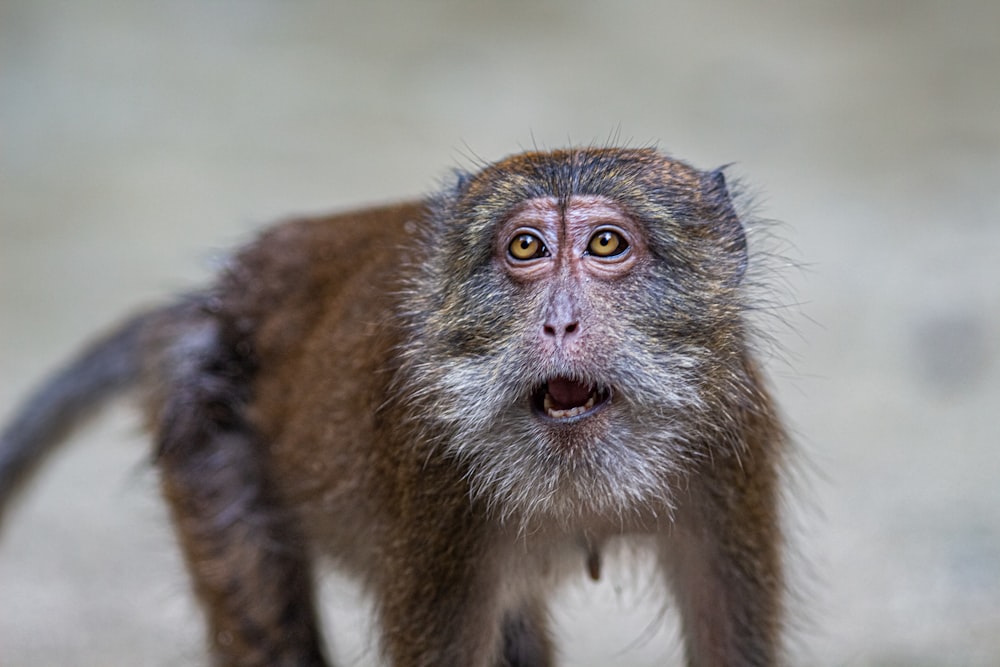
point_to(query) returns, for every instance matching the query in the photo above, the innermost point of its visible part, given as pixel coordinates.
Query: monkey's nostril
(567, 329)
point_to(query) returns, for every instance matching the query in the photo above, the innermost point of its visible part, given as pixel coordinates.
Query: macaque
(461, 402)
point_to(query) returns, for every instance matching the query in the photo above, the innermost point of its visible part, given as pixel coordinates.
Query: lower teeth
(571, 412)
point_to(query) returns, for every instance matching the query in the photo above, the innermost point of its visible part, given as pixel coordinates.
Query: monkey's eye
(526, 246)
(607, 243)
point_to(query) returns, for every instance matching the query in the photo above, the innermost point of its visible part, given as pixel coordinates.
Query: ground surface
(139, 140)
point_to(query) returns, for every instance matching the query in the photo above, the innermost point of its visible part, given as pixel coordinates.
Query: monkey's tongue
(566, 394)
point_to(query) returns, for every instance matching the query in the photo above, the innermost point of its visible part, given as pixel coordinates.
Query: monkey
(461, 401)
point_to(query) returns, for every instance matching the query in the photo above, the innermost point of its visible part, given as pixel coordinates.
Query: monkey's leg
(247, 563)
(440, 594)
(439, 610)
(526, 641)
(723, 562)
(245, 555)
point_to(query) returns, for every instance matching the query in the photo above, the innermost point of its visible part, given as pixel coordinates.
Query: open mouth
(562, 398)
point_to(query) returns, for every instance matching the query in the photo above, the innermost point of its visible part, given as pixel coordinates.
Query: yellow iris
(607, 243)
(526, 246)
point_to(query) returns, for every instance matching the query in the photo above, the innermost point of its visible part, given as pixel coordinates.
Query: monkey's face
(565, 261)
(567, 335)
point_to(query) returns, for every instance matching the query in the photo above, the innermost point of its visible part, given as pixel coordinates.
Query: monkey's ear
(720, 211)
(459, 181)
(453, 187)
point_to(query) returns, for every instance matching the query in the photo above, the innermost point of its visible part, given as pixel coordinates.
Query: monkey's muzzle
(563, 398)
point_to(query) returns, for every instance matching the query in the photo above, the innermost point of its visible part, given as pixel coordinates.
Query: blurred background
(139, 141)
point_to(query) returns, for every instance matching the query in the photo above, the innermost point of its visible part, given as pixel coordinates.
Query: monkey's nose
(562, 320)
(561, 331)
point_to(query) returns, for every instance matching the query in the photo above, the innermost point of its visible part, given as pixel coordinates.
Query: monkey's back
(316, 299)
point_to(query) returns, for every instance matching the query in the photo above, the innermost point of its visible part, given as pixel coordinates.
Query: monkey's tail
(104, 369)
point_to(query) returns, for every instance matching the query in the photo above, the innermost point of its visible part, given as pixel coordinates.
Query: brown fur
(310, 405)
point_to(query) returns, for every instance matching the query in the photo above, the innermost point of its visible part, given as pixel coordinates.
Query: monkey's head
(576, 328)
